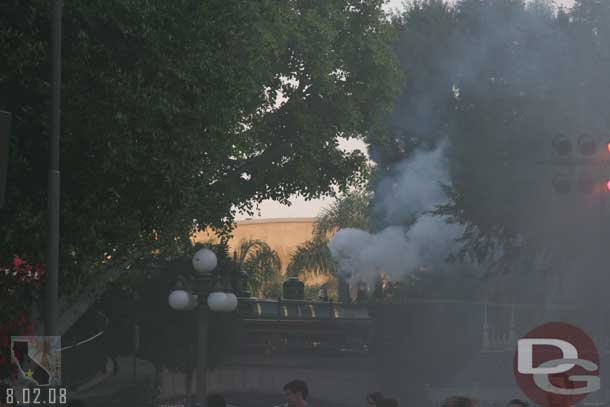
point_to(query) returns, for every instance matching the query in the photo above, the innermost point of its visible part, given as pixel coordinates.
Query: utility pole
(588, 163)
(5, 131)
(136, 349)
(202, 351)
(52, 272)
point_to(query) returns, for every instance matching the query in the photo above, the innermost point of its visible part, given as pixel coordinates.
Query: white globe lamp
(217, 301)
(180, 300)
(231, 302)
(204, 261)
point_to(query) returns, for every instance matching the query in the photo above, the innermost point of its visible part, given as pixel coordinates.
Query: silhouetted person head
(373, 398)
(386, 403)
(216, 400)
(296, 393)
(460, 401)
(517, 403)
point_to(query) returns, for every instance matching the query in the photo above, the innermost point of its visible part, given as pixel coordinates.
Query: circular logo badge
(557, 365)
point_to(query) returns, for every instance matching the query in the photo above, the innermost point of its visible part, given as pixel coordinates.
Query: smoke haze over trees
(489, 85)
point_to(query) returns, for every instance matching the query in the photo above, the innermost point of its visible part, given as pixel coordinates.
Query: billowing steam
(404, 198)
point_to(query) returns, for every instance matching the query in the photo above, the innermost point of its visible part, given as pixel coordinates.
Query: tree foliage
(170, 118)
(349, 211)
(313, 256)
(263, 266)
(19, 284)
(425, 32)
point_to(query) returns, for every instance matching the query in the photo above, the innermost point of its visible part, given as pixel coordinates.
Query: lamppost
(51, 285)
(210, 294)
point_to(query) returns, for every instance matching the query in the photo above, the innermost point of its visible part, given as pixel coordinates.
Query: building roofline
(250, 221)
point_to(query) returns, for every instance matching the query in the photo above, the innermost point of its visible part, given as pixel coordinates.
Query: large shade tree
(177, 114)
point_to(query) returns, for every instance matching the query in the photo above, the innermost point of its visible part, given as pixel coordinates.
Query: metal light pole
(51, 288)
(208, 296)
(5, 130)
(202, 342)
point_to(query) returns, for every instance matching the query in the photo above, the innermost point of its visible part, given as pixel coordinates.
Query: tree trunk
(70, 312)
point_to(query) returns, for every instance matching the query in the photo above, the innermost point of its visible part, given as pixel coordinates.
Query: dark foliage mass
(499, 80)
(169, 116)
(167, 338)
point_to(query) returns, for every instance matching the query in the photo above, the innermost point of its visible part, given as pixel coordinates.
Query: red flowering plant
(20, 283)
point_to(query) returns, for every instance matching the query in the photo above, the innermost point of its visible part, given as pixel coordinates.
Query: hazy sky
(397, 4)
(302, 208)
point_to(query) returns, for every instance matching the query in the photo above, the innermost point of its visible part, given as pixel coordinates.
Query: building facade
(282, 234)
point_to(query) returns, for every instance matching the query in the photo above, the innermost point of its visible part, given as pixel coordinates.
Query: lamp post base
(202, 348)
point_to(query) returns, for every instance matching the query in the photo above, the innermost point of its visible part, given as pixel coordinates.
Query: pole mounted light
(5, 132)
(204, 261)
(562, 145)
(217, 301)
(217, 297)
(589, 160)
(586, 145)
(209, 294)
(231, 302)
(181, 298)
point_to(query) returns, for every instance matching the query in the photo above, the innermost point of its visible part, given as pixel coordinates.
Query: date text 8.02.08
(49, 396)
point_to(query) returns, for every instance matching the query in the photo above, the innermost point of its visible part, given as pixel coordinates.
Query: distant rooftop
(250, 221)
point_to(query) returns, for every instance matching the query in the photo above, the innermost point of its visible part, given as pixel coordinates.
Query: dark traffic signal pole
(52, 272)
(592, 153)
(5, 131)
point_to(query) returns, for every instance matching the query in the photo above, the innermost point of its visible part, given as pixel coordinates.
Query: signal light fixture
(5, 128)
(562, 145)
(586, 144)
(587, 147)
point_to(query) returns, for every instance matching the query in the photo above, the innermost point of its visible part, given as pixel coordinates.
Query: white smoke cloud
(396, 250)
(414, 186)
(413, 189)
